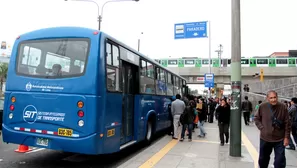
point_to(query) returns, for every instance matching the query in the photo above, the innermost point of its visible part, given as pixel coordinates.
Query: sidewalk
(201, 152)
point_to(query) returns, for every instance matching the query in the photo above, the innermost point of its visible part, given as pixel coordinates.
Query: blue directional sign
(190, 30)
(209, 80)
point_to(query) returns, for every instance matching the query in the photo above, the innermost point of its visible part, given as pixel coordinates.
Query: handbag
(275, 122)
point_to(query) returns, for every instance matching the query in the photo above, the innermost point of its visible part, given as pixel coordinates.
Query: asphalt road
(43, 158)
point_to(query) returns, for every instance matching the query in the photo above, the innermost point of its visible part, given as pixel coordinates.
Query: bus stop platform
(200, 152)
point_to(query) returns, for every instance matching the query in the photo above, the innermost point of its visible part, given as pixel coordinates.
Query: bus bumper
(84, 145)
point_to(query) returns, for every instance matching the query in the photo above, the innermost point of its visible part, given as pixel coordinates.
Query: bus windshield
(57, 58)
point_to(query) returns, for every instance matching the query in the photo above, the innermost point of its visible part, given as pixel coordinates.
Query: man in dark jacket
(212, 105)
(247, 108)
(272, 119)
(293, 112)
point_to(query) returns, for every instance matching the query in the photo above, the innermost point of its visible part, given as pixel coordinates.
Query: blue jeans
(265, 152)
(202, 130)
(190, 128)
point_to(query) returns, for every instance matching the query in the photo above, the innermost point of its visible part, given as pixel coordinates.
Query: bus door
(130, 85)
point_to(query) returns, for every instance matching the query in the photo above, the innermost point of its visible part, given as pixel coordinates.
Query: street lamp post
(138, 47)
(220, 51)
(99, 16)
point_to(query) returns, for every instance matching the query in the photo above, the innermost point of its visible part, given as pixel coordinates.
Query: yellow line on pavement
(158, 156)
(251, 149)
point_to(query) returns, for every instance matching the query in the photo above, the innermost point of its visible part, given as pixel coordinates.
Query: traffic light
(212, 91)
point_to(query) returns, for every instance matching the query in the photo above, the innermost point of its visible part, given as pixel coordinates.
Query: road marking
(36, 150)
(158, 156)
(251, 149)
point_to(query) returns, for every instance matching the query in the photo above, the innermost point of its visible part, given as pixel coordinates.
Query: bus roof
(72, 31)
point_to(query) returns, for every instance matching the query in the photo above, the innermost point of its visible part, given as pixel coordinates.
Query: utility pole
(220, 51)
(138, 46)
(235, 127)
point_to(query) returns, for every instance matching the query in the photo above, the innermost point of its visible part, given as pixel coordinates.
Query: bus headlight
(81, 123)
(10, 116)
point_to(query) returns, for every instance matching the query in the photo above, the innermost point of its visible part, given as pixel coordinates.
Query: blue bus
(80, 90)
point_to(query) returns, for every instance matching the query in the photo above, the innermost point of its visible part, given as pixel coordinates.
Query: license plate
(110, 132)
(42, 141)
(65, 132)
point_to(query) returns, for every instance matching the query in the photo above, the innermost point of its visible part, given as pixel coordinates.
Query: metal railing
(285, 87)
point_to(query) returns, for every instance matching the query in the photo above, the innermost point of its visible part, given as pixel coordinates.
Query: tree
(3, 74)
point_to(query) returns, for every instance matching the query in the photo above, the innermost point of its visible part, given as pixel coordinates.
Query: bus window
(176, 85)
(160, 84)
(169, 84)
(147, 82)
(30, 60)
(52, 58)
(150, 70)
(115, 56)
(113, 82)
(79, 63)
(108, 54)
(180, 87)
(143, 68)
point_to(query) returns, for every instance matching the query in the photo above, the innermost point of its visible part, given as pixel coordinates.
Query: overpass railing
(254, 98)
(286, 87)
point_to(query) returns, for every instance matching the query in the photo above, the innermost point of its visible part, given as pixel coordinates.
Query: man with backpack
(247, 109)
(187, 119)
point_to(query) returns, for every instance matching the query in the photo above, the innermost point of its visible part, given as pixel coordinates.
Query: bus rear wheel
(149, 132)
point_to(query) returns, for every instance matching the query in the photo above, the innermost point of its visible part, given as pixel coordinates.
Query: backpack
(184, 115)
(182, 118)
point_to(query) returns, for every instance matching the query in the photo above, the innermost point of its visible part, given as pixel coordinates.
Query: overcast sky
(267, 25)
